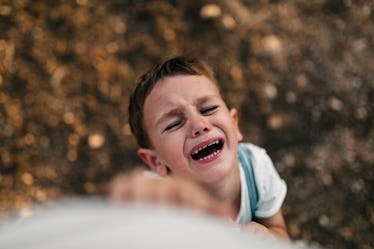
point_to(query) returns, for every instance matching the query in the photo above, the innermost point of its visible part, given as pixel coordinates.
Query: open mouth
(208, 151)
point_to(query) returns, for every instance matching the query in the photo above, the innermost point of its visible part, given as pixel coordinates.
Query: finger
(167, 192)
(145, 189)
(119, 188)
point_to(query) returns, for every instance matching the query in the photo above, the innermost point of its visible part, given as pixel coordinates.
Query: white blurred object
(97, 224)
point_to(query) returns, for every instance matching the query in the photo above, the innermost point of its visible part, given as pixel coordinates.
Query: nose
(199, 126)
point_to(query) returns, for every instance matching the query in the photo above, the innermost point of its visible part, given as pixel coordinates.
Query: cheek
(172, 147)
(232, 128)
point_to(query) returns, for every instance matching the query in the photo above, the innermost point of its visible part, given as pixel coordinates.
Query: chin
(216, 173)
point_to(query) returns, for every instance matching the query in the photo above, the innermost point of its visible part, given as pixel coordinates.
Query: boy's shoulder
(257, 154)
(253, 148)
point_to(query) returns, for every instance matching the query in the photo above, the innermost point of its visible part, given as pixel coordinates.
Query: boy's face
(191, 130)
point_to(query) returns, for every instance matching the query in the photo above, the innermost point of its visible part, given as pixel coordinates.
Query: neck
(227, 190)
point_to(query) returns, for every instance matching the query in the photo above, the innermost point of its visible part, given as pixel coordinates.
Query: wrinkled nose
(199, 126)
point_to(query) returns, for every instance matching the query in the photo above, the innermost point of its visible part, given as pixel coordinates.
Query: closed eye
(173, 125)
(209, 110)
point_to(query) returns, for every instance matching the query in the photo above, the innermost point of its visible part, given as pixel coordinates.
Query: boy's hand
(257, 228)
(273, 226)
(136, 187)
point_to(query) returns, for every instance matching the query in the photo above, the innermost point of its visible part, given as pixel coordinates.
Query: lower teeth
(209, 156)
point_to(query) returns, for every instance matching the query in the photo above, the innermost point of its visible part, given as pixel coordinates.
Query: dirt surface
(300, 72)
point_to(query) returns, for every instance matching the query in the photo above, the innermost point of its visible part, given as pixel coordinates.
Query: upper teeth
(201, 148)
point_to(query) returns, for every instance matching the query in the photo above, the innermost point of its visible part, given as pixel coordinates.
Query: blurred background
(300, 72)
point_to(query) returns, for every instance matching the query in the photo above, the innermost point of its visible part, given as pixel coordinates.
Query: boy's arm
(274, 225)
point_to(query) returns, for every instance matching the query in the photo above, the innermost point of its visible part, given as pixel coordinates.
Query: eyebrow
(204, 99)
(171, 113)
(177, 111)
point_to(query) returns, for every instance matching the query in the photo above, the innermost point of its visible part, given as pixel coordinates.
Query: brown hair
(174, 66)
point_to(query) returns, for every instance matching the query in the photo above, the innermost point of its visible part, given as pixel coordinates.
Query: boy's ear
(150, 158)
(235, 118)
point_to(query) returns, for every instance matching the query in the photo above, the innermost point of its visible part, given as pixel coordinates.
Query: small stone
(270, 91)
(323, 220)
(96, 140)
(272, 44)
(27, 179)
(335, 104)
(210, 11)
(229, 22)
(275, 122)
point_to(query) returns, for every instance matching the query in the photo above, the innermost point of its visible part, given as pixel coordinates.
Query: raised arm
(138, 187)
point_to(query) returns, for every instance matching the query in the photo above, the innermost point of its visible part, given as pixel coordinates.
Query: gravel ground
(300, 72)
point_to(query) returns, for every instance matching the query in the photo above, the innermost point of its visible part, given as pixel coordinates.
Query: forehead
(172, 91)
(185, 87)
